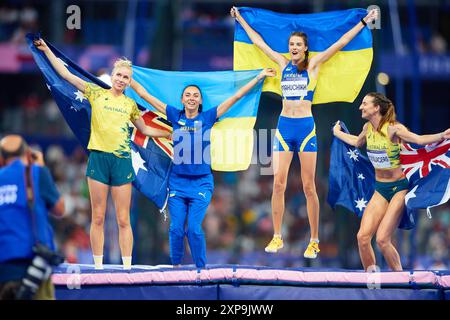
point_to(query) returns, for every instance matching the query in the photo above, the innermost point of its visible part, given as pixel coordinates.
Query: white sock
(98, 262)
(315, 240)
(277, 235)
(126, 263)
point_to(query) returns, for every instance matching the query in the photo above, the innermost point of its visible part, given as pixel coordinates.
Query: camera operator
(27, 194)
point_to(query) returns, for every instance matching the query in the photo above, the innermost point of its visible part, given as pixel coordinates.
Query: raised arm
(140, 90)
(79, 83)
(356, 141)
(224, 106)
(322, 57)
(403, 133)
(258, 40)
(139, 123)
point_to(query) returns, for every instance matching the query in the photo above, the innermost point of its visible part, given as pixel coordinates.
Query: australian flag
(151, 156)
(352, 181)
(428, 171)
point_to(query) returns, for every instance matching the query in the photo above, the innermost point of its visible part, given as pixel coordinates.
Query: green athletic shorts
(389, 189)
(109, 169)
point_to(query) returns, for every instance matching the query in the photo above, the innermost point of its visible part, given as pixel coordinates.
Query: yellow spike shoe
(312, 250)
(275, 244)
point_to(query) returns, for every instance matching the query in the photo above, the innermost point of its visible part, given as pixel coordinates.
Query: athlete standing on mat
(191, 181)
(296, 130)
(109, 163)
(383, 134)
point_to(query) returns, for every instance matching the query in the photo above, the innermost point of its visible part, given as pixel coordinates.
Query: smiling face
(297, 47)
(368, 108)
(191, 98)
(121, 78)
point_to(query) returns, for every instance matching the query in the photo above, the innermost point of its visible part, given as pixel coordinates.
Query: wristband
(363, 22)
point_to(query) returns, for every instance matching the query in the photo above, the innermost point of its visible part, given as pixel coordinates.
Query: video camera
(38, 272)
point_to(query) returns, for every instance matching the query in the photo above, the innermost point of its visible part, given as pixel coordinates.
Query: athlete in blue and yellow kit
(109, 163)
(383, 134)
(296, 131)
(191, 181)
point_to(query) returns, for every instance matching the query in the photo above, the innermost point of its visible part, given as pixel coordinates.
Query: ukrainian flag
(232, 136)
(340, 78)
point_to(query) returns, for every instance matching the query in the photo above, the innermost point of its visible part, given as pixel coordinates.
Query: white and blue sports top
(297, 85)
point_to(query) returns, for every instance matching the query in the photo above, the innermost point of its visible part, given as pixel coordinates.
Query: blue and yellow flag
(232, 135)
(340, 78)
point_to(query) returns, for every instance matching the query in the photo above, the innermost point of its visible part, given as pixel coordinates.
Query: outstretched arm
(356, 141)
(139, 123)
(79, 83)
(224, 106)
(322, 57)
(258, 40)
(140, 90)
(403, 133)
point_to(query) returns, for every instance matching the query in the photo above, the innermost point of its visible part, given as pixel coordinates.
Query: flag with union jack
(152, 160)
(428, 171)
(151, 157)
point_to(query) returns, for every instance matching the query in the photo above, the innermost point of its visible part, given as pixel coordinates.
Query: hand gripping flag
(232, 136)
(340, 78)
(151, 156)
(352, 181)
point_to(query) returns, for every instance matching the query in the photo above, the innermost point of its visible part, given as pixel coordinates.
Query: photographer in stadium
(27, 194)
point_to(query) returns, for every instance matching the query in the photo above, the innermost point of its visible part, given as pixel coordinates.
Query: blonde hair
(122, 62)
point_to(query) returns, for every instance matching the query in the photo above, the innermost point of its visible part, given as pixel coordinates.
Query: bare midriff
(389, 175)
(296, 108)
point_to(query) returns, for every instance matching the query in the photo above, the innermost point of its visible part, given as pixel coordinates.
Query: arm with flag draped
(231, 136)
(227, 104)
(355, 141)
(59, 67)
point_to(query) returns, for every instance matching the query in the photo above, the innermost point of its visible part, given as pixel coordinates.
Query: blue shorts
(295, 134)
(190, 186)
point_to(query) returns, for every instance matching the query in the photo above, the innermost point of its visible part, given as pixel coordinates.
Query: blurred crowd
(199, 21)
(16, 21)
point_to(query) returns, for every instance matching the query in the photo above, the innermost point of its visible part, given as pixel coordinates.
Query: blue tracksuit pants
(189, 197)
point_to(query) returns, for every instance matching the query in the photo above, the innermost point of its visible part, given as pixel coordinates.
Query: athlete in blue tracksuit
(191, 182)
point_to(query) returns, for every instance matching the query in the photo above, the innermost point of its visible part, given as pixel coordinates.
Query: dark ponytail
(387, 109)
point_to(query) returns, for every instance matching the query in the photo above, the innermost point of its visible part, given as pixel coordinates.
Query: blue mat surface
(127, 292)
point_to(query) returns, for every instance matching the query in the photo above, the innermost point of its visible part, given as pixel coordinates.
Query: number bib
(294, 87)
(379, 159)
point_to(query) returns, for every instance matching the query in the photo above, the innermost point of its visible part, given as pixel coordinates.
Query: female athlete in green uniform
(383, 134)
(109, 163)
